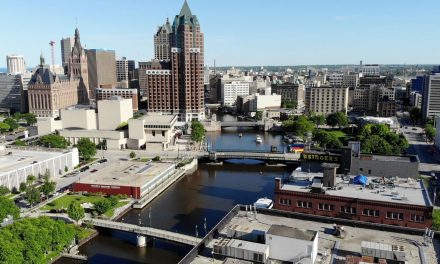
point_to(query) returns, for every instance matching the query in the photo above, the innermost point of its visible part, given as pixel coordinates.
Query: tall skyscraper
(15, 64)
(77, 68)
(176, 86)
(431, 96)
(122, 69)
(102, 69)
(66, 51)
(162, 42)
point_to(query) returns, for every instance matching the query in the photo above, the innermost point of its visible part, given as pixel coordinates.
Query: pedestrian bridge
(264, 156)
(242, 123)
(146, 231)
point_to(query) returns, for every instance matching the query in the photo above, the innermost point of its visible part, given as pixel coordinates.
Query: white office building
(369, 69)
(230, 90)
(122, 69)
(16, 64)
(336, 79)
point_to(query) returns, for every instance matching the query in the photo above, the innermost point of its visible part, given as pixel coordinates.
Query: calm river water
(210, 192)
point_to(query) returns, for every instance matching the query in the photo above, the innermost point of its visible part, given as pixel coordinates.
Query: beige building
(102, 69)
(107, 93)
(326, 100)
(367, 97)
(150, 130)
(99, 127)
(350, 80)
(113, 112)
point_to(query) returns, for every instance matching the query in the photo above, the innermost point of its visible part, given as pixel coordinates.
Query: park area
(63, 203)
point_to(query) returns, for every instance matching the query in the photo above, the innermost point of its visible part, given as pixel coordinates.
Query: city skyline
(296, 33)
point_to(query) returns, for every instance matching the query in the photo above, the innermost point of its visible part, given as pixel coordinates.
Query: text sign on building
(321, 157)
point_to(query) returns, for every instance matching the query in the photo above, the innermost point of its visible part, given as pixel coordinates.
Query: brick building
(177, 87)
(402, 202)
(107, 93)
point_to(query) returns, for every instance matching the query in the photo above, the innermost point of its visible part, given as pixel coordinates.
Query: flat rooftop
(280, 230)
(403, 190)
(19, 159)
(388, 158)
(158, 119)
(350, 245)
(126, 173)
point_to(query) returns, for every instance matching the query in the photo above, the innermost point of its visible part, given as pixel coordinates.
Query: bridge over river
(144, 231)
(264, 156)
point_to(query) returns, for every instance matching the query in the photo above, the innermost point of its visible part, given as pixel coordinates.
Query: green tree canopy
(32, 195)
(132, 154)
(299, 126)
(86, 148)
(390, 143)
(259, 115)
(326, 139)
(75, 211)
(3, 191)
(22, 187)
(30, 118)
(48, 187)
(197, 131)
(415, 114)
(102, 206)
(54, 141)
(430, 132)
(338, 119)
(318, 120)
(291, 104)
(12, 123)
(4, 127)
(8, 207)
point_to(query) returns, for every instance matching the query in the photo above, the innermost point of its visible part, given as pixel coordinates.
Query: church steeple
(42, 61)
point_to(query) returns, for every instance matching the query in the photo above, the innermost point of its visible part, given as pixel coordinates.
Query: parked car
(94, 170)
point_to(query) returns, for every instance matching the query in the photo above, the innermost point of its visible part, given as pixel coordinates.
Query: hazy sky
(237, 32)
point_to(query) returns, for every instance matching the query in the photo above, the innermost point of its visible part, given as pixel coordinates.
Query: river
(210, 192)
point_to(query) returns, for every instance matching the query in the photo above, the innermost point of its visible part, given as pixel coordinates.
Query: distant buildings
(431, 96)
(230, 90)
(257, 102)
(162, 42)
(10, 92)
(177, 86)
(369, 69)
(386, 81)
(290, 92)
(367, 97)
(48, 92)
(15, 64)
(66, 51)
(102, 69)
(326, 100)
(108, 93)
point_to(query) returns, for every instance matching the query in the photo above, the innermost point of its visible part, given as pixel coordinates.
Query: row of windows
(284, 201)
(393, 215)
(370, 212)
(154, 133)
(303, 204)
(348, 210)
(326, 207)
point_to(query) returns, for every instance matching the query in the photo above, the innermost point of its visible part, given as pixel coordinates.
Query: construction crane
(52, 49)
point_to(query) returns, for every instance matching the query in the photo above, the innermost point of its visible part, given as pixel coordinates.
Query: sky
(237, 32)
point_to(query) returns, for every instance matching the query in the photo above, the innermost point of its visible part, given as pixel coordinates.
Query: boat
(240, 134)
(259, 139)
(265, 203)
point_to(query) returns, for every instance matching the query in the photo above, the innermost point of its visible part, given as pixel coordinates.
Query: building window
(348, 210)
(303, 204)
(394, 215)
(154, 133)
(163, 133)
(417, 218)
(370, 212)
(326, 207)
(284, 201)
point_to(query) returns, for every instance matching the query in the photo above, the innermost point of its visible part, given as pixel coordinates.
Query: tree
(22, 187)
(12, 123)
(259, 115)
(318, 120)
(377, 145)
(86, 148)
(3, 191)
(8, 207)
(4, 127)
(114, 200)
(102, 206)
(326, 139)
(132, 155)
(75, 211)
(291, 104)
(298, 126)
(197, 131)
(337, 119)
(48, 187)
(30, 118)
(415, 114)
(54, 141)
(31, 179)
(430, 132)
(32, 195)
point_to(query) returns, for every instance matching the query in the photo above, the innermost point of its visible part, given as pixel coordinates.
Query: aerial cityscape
(243, 132)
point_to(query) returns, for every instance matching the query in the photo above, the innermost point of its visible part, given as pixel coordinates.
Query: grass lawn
(83, 233)
(337, 133)
(110, 212)
(64, 201)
